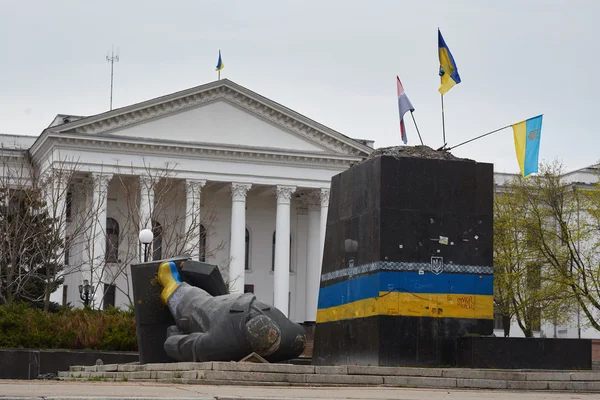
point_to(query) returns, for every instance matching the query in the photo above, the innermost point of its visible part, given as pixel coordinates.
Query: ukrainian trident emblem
(534, 134)
(437, 265)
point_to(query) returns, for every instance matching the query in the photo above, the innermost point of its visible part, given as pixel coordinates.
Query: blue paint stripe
(174, 272)
(365, 287)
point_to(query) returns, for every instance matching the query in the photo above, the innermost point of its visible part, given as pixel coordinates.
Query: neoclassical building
(217, 172)
(261, 171)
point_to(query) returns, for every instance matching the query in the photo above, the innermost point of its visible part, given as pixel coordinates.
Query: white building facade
(260, 170)
(218, 172)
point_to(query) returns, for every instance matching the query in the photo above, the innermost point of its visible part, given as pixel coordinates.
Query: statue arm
(181, 346)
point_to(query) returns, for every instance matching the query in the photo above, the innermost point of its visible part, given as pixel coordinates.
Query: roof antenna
(111, 59)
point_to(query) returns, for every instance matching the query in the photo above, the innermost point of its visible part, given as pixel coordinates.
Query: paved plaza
(140, 390)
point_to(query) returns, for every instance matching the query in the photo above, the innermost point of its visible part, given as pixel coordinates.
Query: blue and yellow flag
(220, 64)
(527, 144)
(448, 70)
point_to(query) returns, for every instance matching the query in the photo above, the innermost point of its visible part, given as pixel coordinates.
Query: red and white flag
(404, 105)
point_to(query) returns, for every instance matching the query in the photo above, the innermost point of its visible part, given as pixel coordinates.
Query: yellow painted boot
(168, 277)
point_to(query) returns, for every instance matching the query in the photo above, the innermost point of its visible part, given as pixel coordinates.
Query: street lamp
(146, 237)
(85, 291)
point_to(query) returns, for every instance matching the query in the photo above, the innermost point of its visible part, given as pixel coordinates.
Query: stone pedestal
(407, 262)
(152, 318)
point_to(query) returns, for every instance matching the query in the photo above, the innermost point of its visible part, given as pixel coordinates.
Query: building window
(109, 296)
(248, 288)
(67, 250)
(536, 324)
(273, 252)
(112, 240)
(202, 244)
(64, 294)
(157, 242)
(16, 203)
(498, 321)
(69, 206)
(247, 258)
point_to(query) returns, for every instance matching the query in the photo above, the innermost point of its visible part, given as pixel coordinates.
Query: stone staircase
(253, 374)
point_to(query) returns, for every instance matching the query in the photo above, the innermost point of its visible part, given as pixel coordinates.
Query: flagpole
(480, 136)
(219, 75)
(415, 122)
(443, 123)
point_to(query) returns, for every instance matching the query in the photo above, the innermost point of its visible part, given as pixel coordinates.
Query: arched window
(157, 241)
(202, 244)
(112, 240)
(273, 252)
(247, 258)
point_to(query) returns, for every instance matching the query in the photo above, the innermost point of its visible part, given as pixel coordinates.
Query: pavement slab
(57, 390)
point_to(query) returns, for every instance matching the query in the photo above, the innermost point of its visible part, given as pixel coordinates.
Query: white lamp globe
(146, 236)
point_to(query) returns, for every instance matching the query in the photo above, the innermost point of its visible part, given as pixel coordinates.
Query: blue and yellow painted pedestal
(407, 265)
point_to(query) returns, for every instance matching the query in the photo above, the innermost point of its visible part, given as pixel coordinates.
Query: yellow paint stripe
(413, 305)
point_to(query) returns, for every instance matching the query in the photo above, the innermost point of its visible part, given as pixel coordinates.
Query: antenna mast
(111, 59)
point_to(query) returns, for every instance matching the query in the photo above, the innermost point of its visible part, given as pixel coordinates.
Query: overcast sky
(333, 61)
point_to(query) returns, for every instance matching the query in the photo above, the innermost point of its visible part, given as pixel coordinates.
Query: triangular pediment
(220, 122)
(219, 113)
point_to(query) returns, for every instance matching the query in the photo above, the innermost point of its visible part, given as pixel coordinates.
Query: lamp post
(85, 291)
(146, 236)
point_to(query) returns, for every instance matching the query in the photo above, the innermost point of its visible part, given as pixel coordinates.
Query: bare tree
(179, 227)
(35, 235)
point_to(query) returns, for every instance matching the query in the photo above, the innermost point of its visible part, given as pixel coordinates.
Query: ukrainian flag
(220, 64)
(448, 70)
(527, 144)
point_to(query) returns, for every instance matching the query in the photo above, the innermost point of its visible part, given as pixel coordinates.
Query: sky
(333, 61)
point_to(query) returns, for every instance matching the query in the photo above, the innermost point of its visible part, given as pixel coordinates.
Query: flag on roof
(220, 64)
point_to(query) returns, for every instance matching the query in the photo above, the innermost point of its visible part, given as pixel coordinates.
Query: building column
(145, 211)
(193, 189)
(237, 244)
(313, 263)
(100, 182)
(55, 186)
(324, 208)
(282, 249)
(146, 201)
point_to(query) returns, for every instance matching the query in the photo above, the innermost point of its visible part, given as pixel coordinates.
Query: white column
(146, 201)
(98, 252)
(55, 187)
(237, 244)
(193, 221)
(145, 211)
(313, 264)
(324, 209)
(282, 248)
(55, 184)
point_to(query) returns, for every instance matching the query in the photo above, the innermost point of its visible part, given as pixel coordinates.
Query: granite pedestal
(152, 318)
(407, 264)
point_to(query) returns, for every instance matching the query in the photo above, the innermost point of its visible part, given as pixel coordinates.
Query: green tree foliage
(524, 288)
(565, 233)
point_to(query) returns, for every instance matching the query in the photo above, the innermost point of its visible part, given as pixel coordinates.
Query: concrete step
(232, 373)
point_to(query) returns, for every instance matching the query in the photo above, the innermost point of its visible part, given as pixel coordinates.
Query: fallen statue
(224, 328)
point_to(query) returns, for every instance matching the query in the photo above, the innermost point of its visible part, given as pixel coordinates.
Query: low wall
(595, 349)
(31, 363)
(524, 353)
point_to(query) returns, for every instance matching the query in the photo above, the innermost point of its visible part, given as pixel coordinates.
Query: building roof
(16, 142)
(188, 98)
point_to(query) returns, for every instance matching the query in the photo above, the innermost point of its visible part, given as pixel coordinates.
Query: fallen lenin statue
(225, 327)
